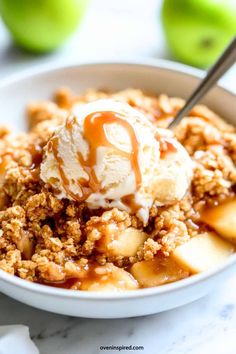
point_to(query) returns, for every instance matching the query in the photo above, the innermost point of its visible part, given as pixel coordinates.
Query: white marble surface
(206, 326)
(113, 29)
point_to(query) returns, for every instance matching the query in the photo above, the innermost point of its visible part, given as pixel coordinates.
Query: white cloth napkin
(16, 339)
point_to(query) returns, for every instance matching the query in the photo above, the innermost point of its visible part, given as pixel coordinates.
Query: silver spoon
(226, 60)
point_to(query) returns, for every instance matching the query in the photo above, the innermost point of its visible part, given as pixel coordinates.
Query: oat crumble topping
(46, 240)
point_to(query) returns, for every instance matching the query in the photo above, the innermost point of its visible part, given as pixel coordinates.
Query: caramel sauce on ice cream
(95, 134)
(110, 155)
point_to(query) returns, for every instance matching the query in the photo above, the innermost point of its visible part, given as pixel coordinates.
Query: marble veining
(227, 311)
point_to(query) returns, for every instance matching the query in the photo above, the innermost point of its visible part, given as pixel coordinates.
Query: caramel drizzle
(4, 161)
(166, 146)
(2, 164)
(53, 147)
(95, 135)
(129, 201)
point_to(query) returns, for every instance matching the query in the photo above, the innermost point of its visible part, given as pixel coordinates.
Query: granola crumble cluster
(46, 240)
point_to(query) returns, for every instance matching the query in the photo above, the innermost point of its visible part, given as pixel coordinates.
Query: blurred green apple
(197, 31)
(41, 25)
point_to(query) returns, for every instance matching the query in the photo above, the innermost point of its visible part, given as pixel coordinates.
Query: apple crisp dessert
(99, 195)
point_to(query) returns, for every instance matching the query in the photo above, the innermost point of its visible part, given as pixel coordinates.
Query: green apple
(197, 31)
(41, 25)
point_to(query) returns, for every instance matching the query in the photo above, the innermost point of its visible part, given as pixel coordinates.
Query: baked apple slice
(158, 271)
(202, 252)
(222, 218)
(125, 243)
(108, 278)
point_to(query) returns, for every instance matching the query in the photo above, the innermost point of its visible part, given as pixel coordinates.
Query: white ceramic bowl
(158, 76)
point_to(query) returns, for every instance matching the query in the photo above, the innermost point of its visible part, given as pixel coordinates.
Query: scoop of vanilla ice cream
(174, 173)
(114, 162)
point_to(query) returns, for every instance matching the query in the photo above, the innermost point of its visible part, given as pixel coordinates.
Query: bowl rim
(129, 294)
(165, 64)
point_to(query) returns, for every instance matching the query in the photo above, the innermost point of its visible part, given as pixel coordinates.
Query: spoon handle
(226, 60)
